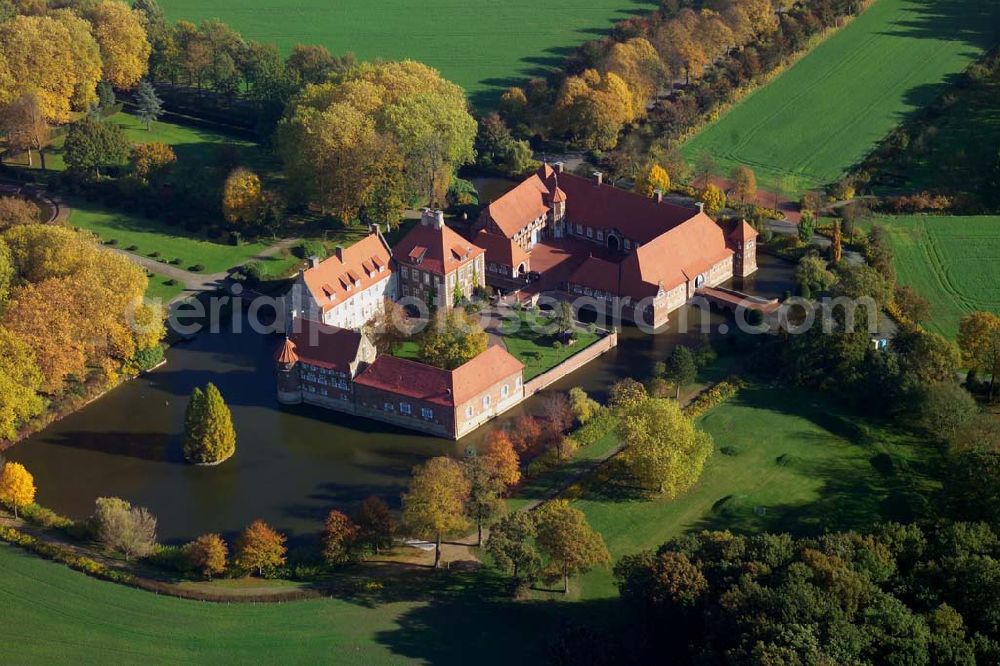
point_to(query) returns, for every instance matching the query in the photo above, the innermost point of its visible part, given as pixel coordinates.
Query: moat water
(292, 464)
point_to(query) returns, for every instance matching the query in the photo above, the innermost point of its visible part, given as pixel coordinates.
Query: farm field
(814, 121)
(800, 466)
(56, 615)
(483, 46)
(953, 261)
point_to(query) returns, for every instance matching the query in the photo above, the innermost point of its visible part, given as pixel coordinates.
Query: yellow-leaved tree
(37, 56)
(150, 159)
(17, 486)
(87, 63)
(593, 108)
(713, 198)
(979, 340)
(20, 381)
(664, 450)
(639, 66)
(434, 504)
(653, 177)
(260, 547)
(453, 338)
(242, 197)
(124, 46)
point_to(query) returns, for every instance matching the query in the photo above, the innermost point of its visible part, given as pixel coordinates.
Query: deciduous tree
(376, 525)
(93, 145)
(20, 382)
(567, 541)
(745, 184)
(17, 486)
(501, 459)
(340, 536)
(152, 159)
(208, 555)
(583, 406)
(484, 505)
(121, 527)
(626, 393)
(15, 211)
(38, 57)
(242, 197)
(434, 504)
(454, 338)
(653, 177)
(260, 548)
(979, 340)
(125, 49)
(23, 121)
(713, 198)
(663, 448)
(681, 369)
(511, 545)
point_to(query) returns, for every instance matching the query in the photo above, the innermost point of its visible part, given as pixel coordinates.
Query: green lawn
(55, 615)
(953, 261)
(824, 114)
(160, 289)
(149, 236)
(481, 45)
(801, 466)
(537, 348)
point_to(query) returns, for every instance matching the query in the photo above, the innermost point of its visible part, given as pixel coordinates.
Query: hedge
(65, 555)
(713, 396)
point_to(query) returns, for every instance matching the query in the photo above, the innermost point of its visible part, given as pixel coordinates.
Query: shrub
(253, 271)
(111, 241)
(598, 427)
(176, 261)
(148, 358)
(45, 517)
(154, 255)
(713, 396)
(310, 248)
(197, 268)
(132, 248)
(730, 451)
(170, 282)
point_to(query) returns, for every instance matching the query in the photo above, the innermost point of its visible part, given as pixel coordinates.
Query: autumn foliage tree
(17, 486)
(123, 528)
(664, 450)
(20, 382)
(121, 36)
(500, 457)
(567, 541)
(340, 536)
(150, 160)
(260, 548)
(979, 341)
(25, 126)
(745, 184)
(486, 489)
(434, 504)
(713, 198)
(208, 555)
(593, 108)
(653, 177)
(242, 197)
(453, 338)
(209, 436)
(376, 524)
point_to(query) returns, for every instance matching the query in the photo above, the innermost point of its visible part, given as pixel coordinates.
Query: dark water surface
(292, 464)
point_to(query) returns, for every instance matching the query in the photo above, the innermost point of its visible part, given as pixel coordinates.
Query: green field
(824, 114)
(802, 466)
(149, 236)
(55, 615)
(159, 289)
(953, 261)
(535, 348)
(197, 149)
(482, 45)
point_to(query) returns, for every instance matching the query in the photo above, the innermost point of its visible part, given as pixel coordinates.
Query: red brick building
(649, 254)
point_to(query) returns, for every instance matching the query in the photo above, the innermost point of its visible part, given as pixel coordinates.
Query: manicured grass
(55, 615)
(537, 349)
(483, 46)
(953, 261)
(801, 466)
(824, 114)
(149, 236)
(159, 289)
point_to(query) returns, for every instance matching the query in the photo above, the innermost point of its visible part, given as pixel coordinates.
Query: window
(505, 391)
(517, 383)
(468, 412)
(427, 278)
(404, 408)
(486, 401)
(389, 407)
(600, 235)
(427, 412)
(579, 228)
(590, 232)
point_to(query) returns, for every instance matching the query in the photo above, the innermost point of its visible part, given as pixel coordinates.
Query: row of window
(589, 232)
(406, 409)
(488, 399)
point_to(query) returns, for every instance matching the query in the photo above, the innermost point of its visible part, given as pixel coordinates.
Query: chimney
(439, 219)
(599, 177)
(375, 228)
(658, 194)
(559, 166)
(701, 206)
(426, 217)
(340, 252)
(313, 261)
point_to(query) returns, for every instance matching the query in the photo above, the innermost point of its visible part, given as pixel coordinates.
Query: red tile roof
(597, 274)
(521, 205)
(321, 344)
(743, 232)
(437, 251)
(500, 250)
(443, 387)
(285, 354)
(336, 279)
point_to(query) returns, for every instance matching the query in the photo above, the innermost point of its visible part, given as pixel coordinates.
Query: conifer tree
(209, 436)
(149, 106)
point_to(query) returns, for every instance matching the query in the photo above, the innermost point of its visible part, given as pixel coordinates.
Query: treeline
(71, 315)
(667, 71)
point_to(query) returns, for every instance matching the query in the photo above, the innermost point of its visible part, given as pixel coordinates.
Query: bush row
(714, 396)
(65, 555)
